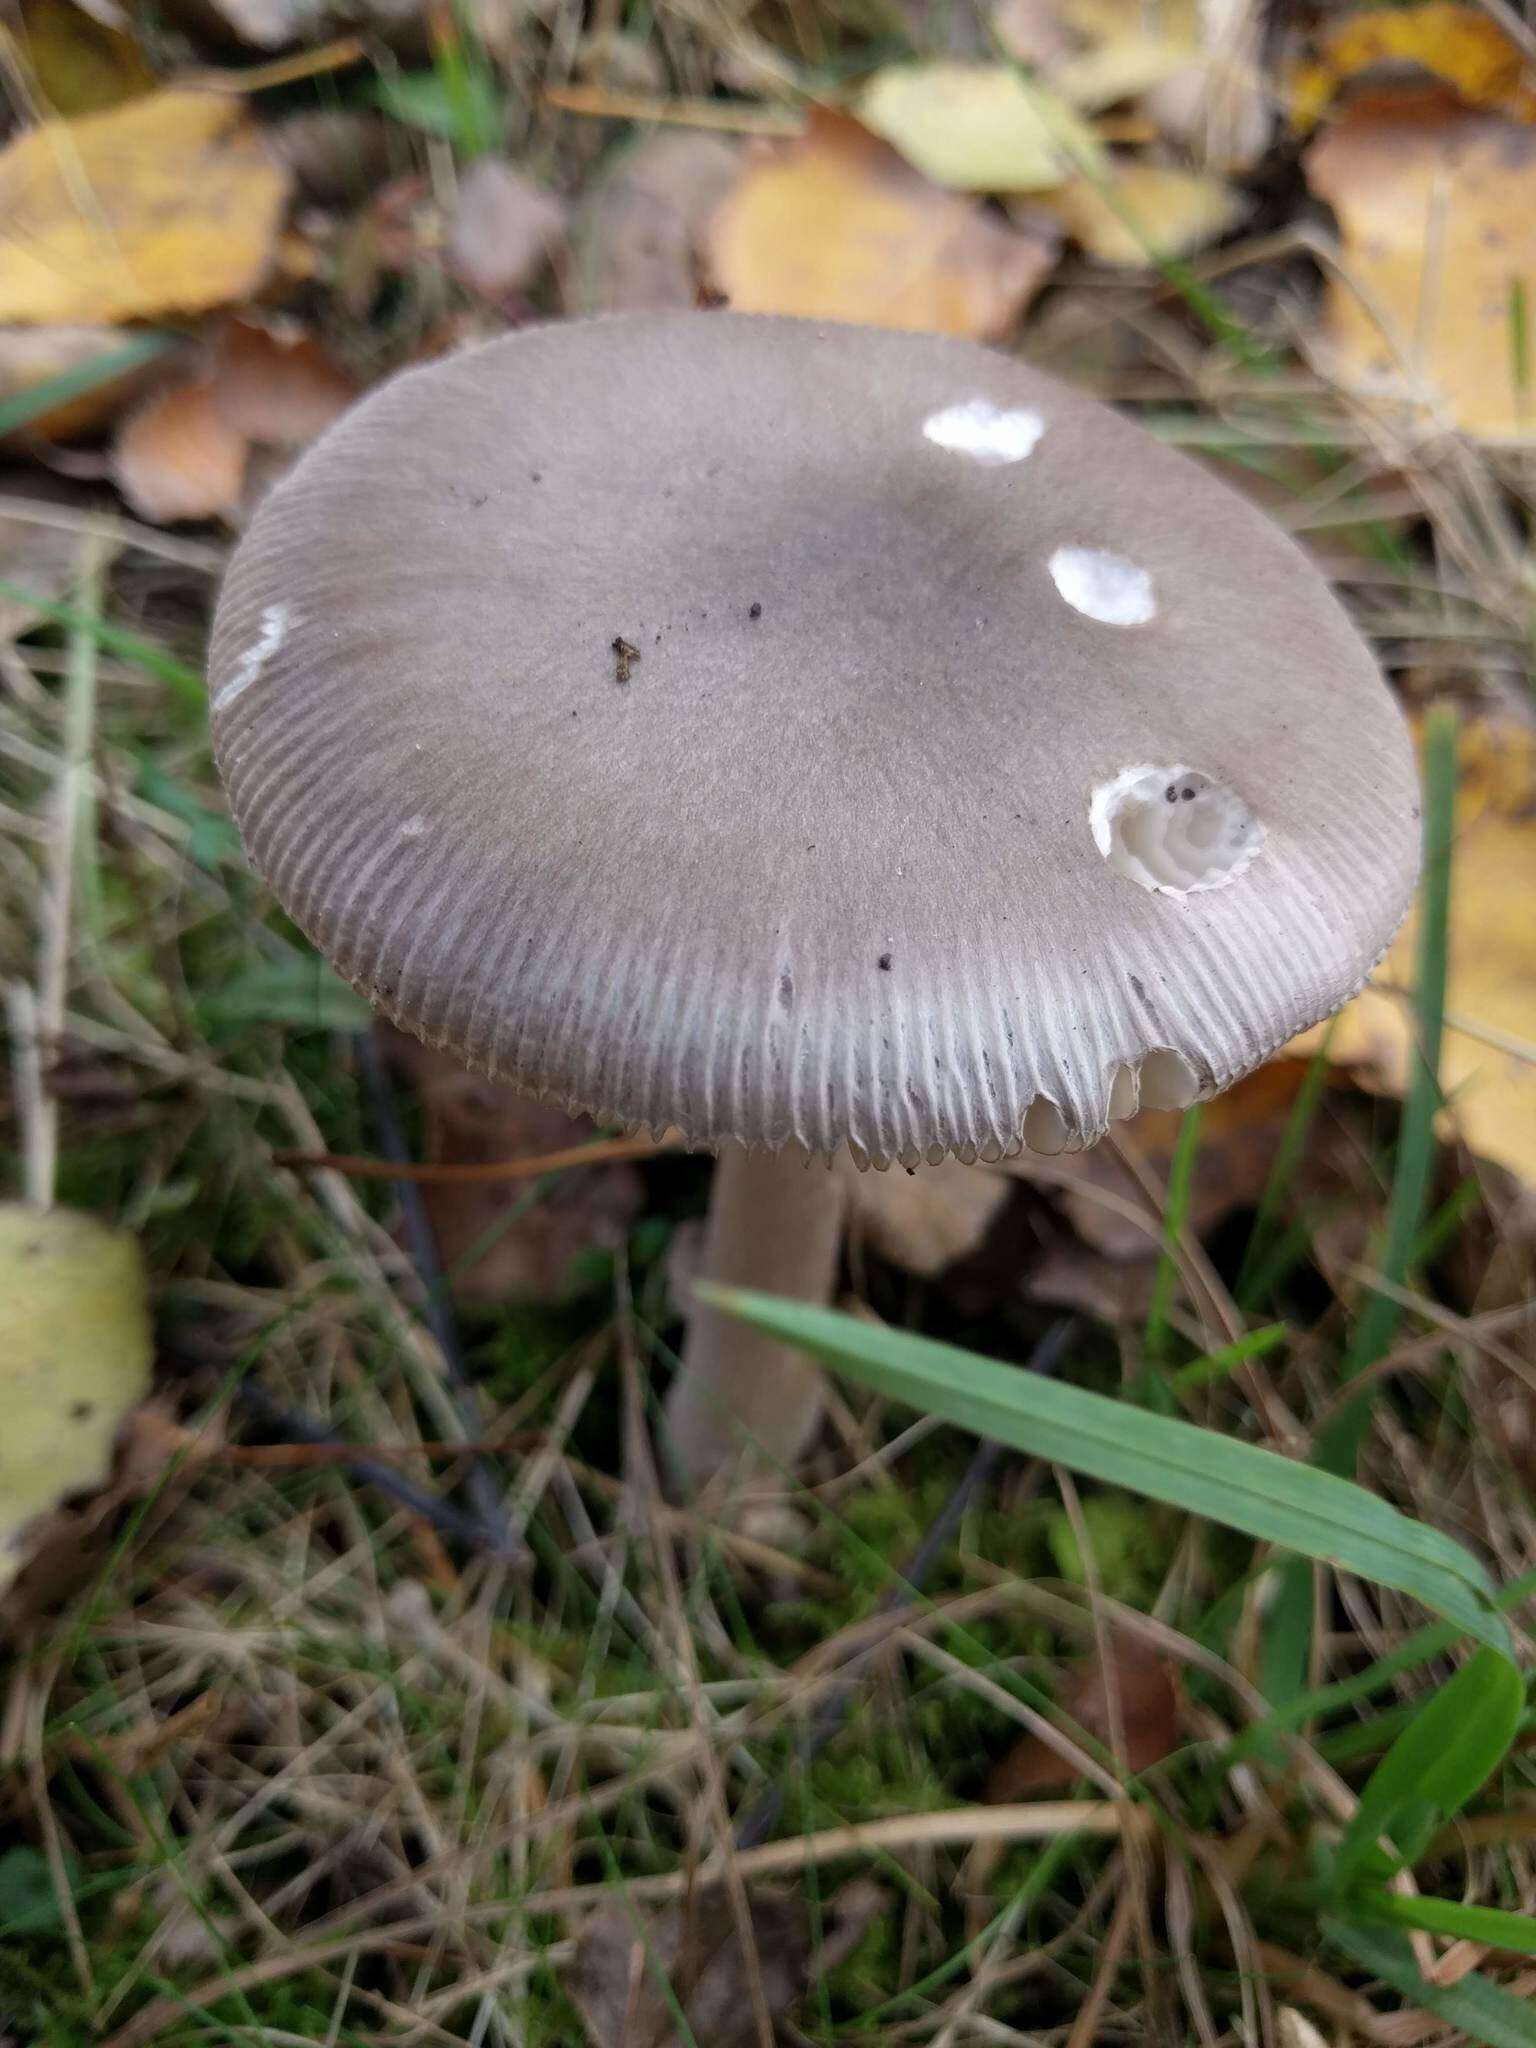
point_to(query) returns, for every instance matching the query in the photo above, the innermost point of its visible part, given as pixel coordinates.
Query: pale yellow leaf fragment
(74, 1359)
(170, 203)
(978, 127)
(1106, 73)
(1143, 211)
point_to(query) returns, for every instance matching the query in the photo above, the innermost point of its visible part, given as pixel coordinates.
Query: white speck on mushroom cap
(1173, 830)
(1104, 586)
(247, 670)
(990, 434)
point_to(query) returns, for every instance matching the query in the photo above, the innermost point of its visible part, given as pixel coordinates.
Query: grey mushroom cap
(980, 759)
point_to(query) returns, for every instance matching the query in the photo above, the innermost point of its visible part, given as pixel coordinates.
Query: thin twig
(719, 116)
(481, 1484)
(296, 1429)
(437, 1172)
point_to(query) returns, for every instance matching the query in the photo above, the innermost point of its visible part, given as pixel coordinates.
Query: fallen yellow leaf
(1107, 72)
(1491, 988)
(167, 204)
(1439, 236)
(1111, 21)
(74, 1358)
(1143, 211)
(1464, 46)
(978, 127)
(1212, 97)
(837, 227)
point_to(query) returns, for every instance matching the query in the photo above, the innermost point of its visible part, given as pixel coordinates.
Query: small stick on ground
(481, 1483)
(292, 1428)
(433, 1172)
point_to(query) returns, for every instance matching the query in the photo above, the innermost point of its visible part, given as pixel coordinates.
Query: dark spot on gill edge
(1138, 988)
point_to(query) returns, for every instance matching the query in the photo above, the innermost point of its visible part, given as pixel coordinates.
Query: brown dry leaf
(75, 62)
(505, 229)
(30, 356)
(613, 1980)
(1439, 234)
(168, 204)
(1072, 1275)
(153, 1458)
(1239, 1134)
(1461, 45)
(1143, 211)
(639, 235)
(1492, 979)
(273, 383)
(177, 457)
(837, 226)
(924, 1221)
(335, 158)
(1147, 1690)
(978, 127)
(390, 236)
(471, 1120)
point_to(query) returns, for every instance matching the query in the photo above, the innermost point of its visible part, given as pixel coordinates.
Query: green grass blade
(1271, 1498)
(303, 993)
(144, 654)
(1419, 1648)
(1378, 1321)
(1285, 1651)
(1219, 1365)
(1181, 1174)
(1491, 1924)
(1293, 1143)
(1520, 343)
(1482, 2009)
(22, 407)
(1438, 1762)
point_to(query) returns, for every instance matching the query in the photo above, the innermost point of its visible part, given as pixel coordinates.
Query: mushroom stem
(775, 1223)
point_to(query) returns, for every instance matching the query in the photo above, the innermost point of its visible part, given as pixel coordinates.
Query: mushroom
(971, 768)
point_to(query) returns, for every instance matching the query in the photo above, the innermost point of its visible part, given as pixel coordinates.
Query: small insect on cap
(805, 734)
